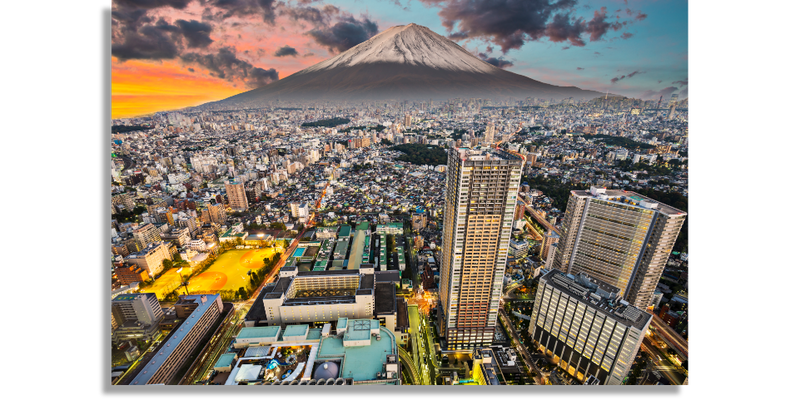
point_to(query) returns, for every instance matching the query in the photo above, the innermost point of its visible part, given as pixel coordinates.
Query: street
(521, 349)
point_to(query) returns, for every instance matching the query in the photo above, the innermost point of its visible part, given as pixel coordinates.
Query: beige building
(151, 258)
(322, 296)
(480, 197)
(146, 234)
(620, 237)
(237, 198)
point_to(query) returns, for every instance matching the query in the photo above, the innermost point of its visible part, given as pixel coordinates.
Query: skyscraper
(480, 197)
(619, 237)
(237, 198)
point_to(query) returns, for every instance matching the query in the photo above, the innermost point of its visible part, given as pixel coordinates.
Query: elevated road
(672, 338)
(535, 215)
(408, 364)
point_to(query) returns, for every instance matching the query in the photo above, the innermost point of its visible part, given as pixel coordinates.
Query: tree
(242, 293)
(167, 264)
(277, 225)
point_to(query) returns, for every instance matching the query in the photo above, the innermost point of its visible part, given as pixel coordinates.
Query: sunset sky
(170, 54)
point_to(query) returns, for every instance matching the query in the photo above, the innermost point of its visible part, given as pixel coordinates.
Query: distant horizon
(185, 54)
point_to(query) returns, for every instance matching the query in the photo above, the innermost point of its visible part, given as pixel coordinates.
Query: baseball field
(228, 272)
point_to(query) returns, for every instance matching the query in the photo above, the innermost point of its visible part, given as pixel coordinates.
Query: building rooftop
(594, 293)
(628, 198)
(225, 360)
(259, 332)
(361, 363)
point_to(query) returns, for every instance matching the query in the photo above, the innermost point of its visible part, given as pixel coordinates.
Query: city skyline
(184, 54)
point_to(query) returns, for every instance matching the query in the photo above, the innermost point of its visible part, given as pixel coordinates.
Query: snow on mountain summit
(410, 44)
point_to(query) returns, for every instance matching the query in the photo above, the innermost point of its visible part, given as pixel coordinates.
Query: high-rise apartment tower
(619, 237)
(480, 197)
(237, 198)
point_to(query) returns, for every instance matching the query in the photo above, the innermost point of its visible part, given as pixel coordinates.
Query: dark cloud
(580, 68)
(225, 65)
(511, 23)
(150, 4)
(136, 38)
(626, 35)
(308, 54)
(598, 26)
(499, 62)
(196, 33)
(245, 8)
(311, 14)
(153, 42)
(629, 75)
(345, 34)
(286, 50)
(562, 29)
(191, 69)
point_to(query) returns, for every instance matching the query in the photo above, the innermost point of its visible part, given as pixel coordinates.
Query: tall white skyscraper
(480, 198)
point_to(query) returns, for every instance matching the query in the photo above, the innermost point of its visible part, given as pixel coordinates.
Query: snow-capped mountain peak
(410, 44)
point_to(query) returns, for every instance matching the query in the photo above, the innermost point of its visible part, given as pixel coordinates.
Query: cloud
(498, 62)
(244, 8)
(196, 33)
(136, 38)
(225, 65)
(152, 42)
(626, 35)
(629, 75)
(150, 4)
(511, 23)
(286, 50)
(311, 14)
(681, 83)
(308, 54)
(580, 68)
(345, 34)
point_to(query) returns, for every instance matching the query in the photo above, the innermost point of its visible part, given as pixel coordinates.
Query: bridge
(672, 338)
(543, 222)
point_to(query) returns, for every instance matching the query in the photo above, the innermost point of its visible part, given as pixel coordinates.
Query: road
(521, 349)
(543, 222)
(669, 335)
(663, 366)
(229, 331)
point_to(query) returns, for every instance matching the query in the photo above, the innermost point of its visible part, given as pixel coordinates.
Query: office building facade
(620, 237)
(586, 327)
(480, 197)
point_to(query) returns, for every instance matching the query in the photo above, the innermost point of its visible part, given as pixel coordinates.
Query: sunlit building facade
(480, 197)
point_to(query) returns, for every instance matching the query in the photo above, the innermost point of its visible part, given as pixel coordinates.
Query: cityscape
(402, 212)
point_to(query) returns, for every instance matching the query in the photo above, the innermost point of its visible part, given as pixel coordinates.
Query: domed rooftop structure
(326, 370)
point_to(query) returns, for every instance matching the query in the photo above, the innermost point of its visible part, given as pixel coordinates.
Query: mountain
(408, 62)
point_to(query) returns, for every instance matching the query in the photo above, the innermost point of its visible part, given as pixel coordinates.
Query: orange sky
(141, 87)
